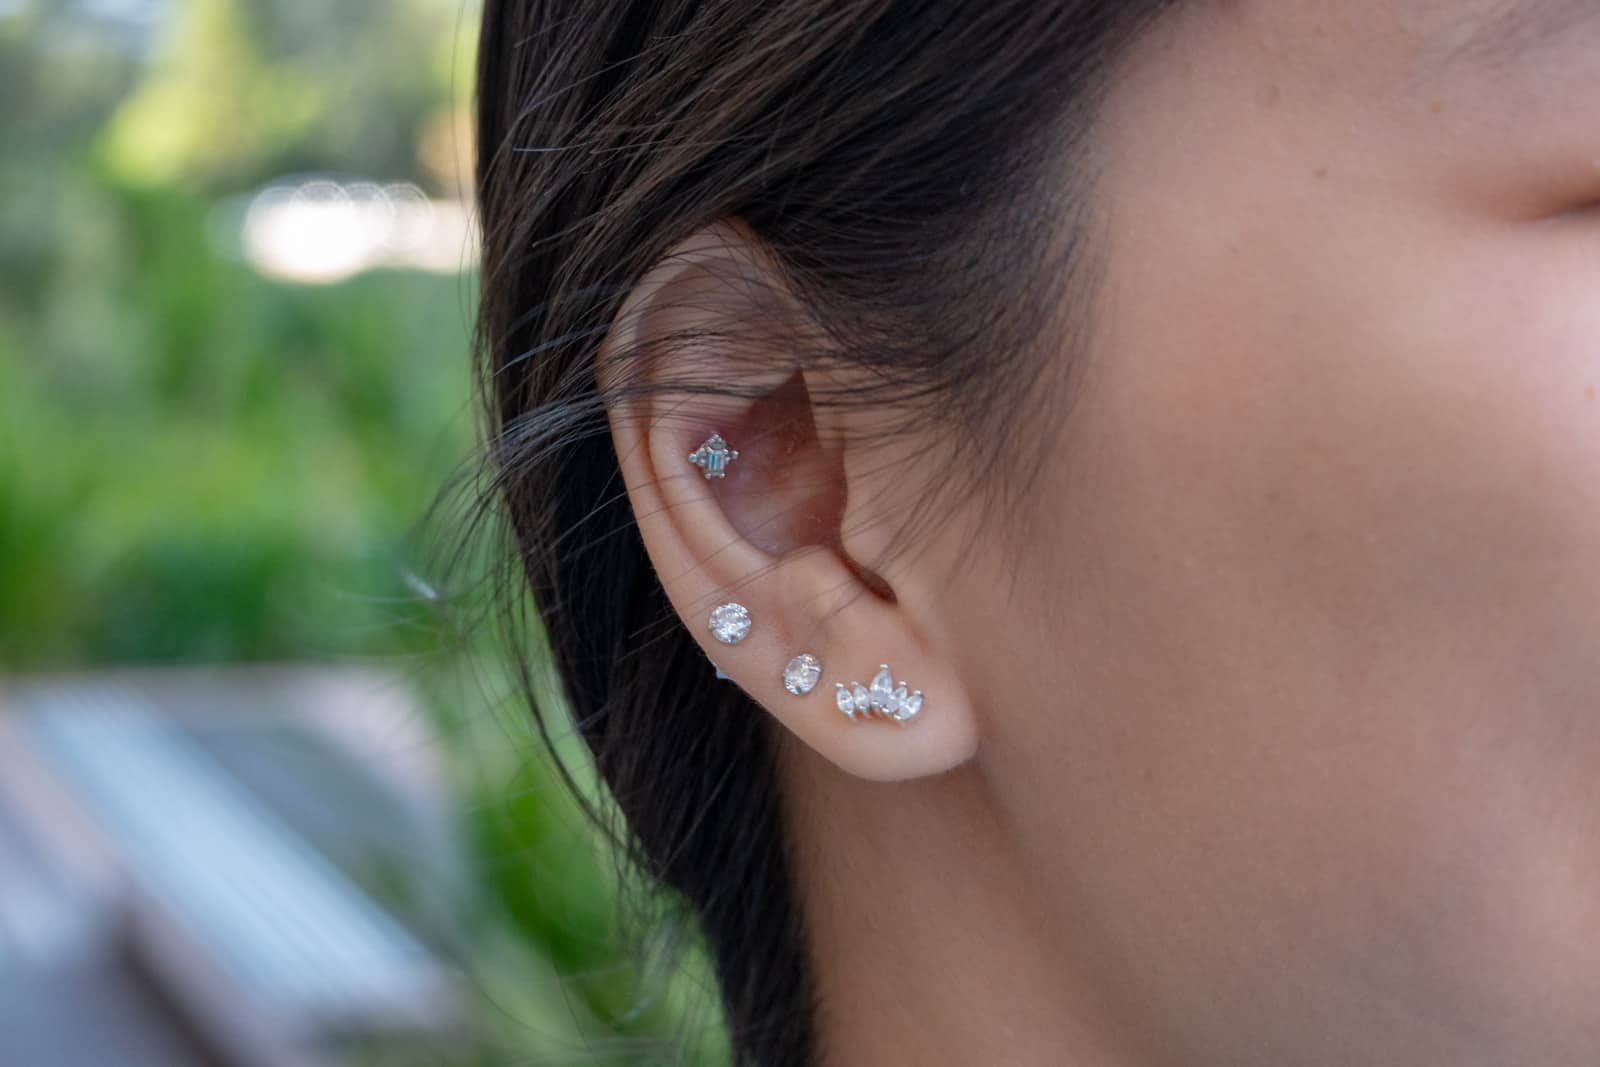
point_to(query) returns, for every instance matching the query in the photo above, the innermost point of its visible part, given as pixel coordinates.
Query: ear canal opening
(870, 579)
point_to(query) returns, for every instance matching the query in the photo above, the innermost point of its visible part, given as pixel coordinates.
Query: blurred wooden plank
(156, 719)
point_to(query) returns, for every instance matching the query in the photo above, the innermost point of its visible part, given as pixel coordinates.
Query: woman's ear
(767, 529)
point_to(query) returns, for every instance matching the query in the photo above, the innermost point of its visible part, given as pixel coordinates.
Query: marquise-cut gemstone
(882, 689)
(909, 706)
(845, 699)
(896, 699)
(861, 698)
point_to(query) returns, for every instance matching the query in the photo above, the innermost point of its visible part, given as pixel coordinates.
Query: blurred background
(264, 797)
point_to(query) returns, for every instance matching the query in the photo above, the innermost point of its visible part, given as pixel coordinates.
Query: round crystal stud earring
(730, 623)
(802, 674)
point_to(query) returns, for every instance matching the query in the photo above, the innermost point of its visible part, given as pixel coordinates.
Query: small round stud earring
(713, 457)
(730, 623)
(802, 674)
(884, 698)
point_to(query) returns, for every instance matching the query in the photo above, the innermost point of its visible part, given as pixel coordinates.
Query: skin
(1289, 752)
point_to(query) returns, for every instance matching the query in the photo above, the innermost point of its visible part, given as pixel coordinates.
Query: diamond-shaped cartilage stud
(713, 457)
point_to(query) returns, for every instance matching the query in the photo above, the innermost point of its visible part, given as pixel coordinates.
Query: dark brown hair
(914, 170)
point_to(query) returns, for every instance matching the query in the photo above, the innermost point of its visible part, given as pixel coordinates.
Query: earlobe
(739, 494)
(858, 635)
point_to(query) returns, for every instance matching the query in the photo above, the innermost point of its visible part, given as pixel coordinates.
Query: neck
(931, 940)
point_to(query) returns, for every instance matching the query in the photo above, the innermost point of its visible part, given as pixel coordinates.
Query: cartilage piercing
(713, 457)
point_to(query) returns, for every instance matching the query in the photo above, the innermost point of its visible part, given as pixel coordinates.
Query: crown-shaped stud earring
(884, 698)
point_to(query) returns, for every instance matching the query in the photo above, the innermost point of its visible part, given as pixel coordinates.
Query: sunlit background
(264, 799)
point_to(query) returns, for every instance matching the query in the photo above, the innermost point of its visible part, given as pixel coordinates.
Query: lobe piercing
(801, 675)
(730, 623)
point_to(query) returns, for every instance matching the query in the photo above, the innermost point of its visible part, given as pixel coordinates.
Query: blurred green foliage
(200, 464)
